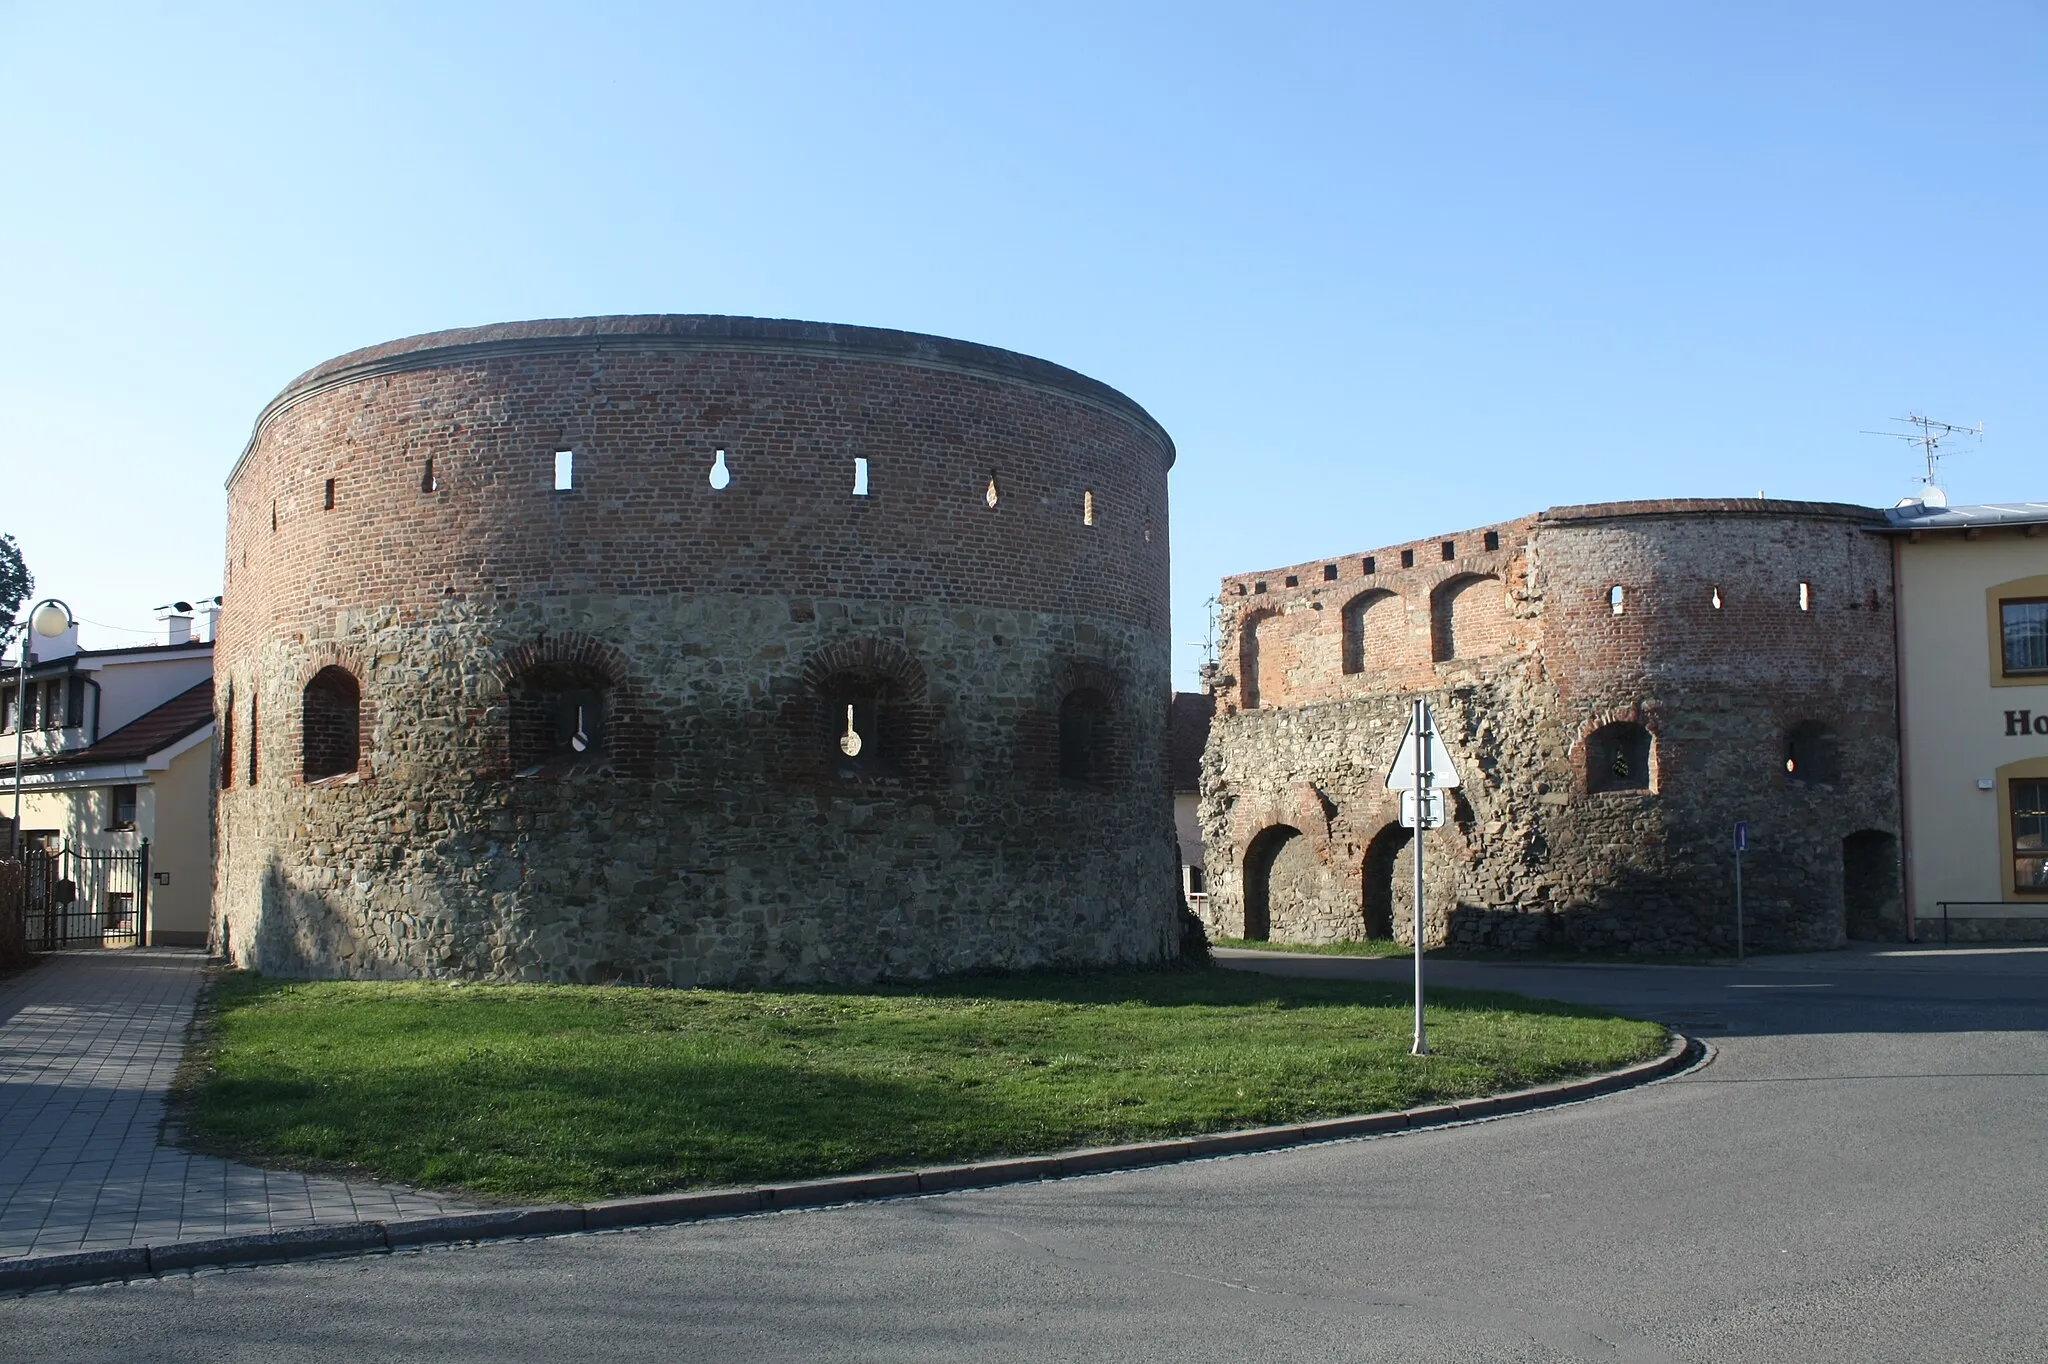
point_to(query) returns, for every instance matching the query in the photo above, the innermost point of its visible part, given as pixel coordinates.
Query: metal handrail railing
(2029, 911)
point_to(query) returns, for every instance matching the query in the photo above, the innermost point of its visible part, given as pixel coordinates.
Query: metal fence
(2001, 909)
(69, 897)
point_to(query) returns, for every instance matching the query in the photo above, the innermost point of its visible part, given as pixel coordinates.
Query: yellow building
(117, 753)
(1973, 701)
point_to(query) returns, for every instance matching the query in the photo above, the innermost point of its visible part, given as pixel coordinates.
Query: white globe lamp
(50, 619)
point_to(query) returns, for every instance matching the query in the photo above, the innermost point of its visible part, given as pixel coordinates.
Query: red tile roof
(181, 716)
(1187, 734)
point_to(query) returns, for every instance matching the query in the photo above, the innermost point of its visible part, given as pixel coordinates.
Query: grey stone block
(91, 1266)
(658, 1209)
(817, 1192)
(1431, 1115)
(483, 1226)
(1124, 1157)
(987, 1173)
(266, 1247)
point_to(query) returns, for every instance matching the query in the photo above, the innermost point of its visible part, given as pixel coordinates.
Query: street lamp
(48, 618)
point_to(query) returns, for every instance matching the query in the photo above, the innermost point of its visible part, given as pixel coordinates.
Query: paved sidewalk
(89, 1043)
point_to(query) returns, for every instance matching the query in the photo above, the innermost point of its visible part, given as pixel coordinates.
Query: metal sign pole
(1422, 767)
(1741, 845)
(1423, 781)
(20, 731)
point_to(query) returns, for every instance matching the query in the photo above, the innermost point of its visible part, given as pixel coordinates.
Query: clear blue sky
(1383, 271)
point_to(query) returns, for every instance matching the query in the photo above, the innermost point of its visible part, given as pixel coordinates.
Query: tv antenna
(1928, 434)
(1208, 645)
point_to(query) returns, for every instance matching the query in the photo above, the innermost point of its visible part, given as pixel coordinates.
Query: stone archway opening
(1871, 908)
(1386, 880)
(1259, 858)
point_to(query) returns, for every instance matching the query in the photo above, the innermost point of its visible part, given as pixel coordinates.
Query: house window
(121, 799)
(2030, 836)
(118, 911)
(2024, 625)
(74, 702)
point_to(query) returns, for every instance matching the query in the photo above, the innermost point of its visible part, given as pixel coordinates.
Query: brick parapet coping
(1515, 529)
(358, 1238)
(702, 332)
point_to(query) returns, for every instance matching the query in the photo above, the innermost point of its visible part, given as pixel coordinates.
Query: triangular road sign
(1402, 775)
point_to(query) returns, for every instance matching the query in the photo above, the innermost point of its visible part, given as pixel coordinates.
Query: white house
(117, 751)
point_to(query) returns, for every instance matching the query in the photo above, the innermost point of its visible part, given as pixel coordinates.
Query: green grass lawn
(571, 1092)
(1383, 947)
(1347, 947)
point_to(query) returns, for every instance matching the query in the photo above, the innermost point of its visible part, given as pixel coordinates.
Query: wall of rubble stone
(1736, 624)
(396, 516)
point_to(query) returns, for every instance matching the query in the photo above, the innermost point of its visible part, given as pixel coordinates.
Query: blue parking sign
(1742, 835)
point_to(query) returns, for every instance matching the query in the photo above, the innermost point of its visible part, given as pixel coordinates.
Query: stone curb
(355, 1238)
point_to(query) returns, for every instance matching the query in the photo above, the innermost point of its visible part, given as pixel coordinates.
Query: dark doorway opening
(1381, 858)
(1258, 879)
(1870, 886)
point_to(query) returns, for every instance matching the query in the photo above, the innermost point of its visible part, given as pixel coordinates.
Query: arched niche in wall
(566, 708)
(1813, 755)
(1254, 688)
(1620, 757)
(1468, 618)
(1375, 626)
(864, 717)
(1267, 848)
(560, 715)
(330, 725)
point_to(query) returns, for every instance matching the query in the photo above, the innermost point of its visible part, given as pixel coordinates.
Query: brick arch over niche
(1255, 687)
(1070, 675)
(567, 648)
(321, 659)
(630, 735)
(1047, 737)
(1092, 732)
(1468, 617)
(879, 658)
(1375, 628)
(1607, 721)
(864, 718)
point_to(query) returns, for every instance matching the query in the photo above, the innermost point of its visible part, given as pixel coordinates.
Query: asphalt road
(1859, 1174)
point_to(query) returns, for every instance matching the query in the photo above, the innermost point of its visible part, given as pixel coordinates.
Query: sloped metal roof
(1919, 516)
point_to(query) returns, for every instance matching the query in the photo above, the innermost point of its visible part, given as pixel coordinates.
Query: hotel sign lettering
(2019, 722)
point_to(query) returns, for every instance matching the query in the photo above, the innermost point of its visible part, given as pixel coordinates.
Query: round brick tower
(688, 650)
(1619, 684)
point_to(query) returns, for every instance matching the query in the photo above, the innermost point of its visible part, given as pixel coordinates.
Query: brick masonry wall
(714, 838)
(1533, 857)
